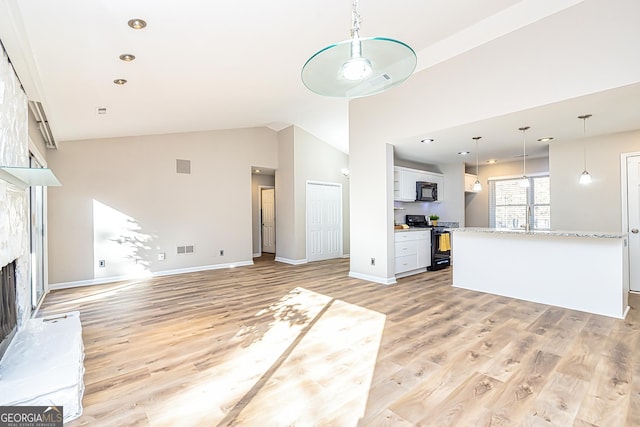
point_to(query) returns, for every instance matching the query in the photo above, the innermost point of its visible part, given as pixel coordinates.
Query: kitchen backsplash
(404, 209)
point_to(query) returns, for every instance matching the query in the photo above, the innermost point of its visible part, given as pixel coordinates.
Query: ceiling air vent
(43, 124)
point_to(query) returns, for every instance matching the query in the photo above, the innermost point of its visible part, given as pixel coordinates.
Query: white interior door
(268, 220)
(324, 221)
(633, 212)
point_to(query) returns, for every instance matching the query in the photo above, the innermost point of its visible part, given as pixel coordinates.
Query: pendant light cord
(524, 151)
(355, 15)
(584, 136)
(477, 138)
(584, 142)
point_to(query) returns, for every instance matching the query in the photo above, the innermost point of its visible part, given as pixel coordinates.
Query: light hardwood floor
(280, 345)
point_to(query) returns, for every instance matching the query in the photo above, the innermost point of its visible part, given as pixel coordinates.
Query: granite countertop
(448, 225)
(404, 230)
(558, 233)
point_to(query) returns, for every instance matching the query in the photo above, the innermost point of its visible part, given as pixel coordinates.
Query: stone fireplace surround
(43, 364)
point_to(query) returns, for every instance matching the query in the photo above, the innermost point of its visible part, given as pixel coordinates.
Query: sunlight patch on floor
(255, 348)
(326, 379)
(292, 364)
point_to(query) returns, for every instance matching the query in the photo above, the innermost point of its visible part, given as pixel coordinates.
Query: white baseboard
(375, 279)
(259, 254)
(346, 255)
(104, 280)
(291, 261)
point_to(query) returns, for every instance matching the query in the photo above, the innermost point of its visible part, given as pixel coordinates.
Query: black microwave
(426, 191)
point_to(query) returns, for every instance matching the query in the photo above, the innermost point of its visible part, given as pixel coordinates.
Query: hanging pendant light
(358, 67)
(524, 182)
(476, 185)
(585, 178)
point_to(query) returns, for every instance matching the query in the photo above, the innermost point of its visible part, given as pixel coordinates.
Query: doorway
(324, 221)
(631, 210)
(268, 219)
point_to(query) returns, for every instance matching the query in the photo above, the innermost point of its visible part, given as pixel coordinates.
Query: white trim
(102, 281)
(346, 255)
(375, 279)
(529, 175)
(291, 261)
(258, 255)
(33, 149)
(411, 272)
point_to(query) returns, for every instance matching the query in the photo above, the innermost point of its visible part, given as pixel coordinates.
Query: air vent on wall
(43, 124)
(183, 166)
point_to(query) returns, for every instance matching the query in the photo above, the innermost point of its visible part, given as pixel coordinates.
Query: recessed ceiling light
(491, 161)
(545, 139)
(120, 81)
(127, 57)
(427, 140)
(257, 171)
(101, 110)
(464, 153)
(137, 24)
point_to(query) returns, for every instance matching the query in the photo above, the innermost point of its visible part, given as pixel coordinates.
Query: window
(508, 203)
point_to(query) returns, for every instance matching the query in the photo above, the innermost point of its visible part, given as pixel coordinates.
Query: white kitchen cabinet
(404, 183)
(469, 180)
(413, 252)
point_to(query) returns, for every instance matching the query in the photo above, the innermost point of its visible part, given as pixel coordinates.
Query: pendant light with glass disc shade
(358, 67)
(585, 178)
(476, 185)
(524, 182)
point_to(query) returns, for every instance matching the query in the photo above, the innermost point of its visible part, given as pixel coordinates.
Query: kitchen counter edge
(556, 233)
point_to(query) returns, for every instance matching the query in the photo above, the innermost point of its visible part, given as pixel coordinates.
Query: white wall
(302, 157)
(455, 92)
(477, 204)
(122, 201)
(285, 197)
(596, 206)
(317, 161)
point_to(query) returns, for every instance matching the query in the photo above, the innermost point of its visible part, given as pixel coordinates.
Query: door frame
(37, 155)
(260, 188)
(625, 201)
(306, 215)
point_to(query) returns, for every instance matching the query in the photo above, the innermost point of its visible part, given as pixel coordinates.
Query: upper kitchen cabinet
(404, 183)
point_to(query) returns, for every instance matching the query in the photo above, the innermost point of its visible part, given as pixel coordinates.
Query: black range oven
(440, 242)
(440, 249)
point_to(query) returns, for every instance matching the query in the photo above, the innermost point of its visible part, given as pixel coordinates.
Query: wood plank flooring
(280, 345)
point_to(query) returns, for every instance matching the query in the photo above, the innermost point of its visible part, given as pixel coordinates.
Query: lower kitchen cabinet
(413, 251)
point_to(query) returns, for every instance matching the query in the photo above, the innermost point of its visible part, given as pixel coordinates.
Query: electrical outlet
(162, 256)
(102, 263)
(221, 252)
(373, 261)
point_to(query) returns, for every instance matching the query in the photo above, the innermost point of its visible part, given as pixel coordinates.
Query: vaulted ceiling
(203, 65)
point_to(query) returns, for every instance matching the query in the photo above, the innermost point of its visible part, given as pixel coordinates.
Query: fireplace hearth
(9, 313)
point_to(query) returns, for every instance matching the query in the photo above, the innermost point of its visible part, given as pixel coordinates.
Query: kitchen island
(586, 271)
